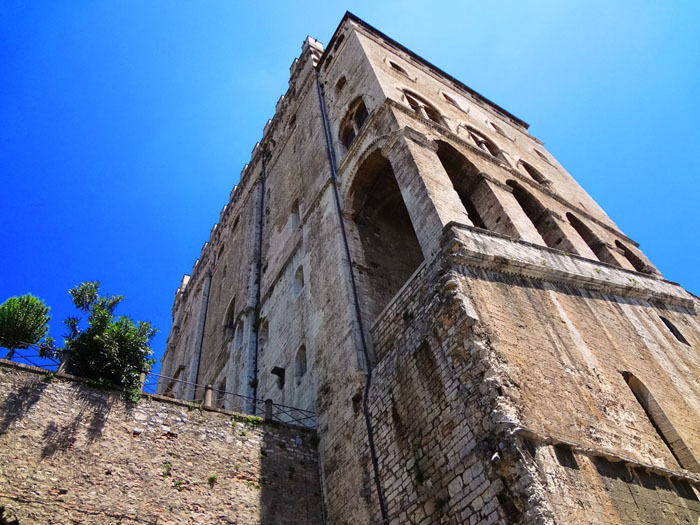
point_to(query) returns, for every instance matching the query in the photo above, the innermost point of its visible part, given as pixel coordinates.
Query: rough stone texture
(73, 454)
(464, 308)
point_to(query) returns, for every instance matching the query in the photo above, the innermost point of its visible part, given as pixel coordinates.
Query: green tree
(23, 322)
(111, 350)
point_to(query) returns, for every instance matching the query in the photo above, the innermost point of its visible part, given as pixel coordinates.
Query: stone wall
(74, 454)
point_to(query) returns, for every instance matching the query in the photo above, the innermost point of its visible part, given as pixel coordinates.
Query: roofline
(349, 16)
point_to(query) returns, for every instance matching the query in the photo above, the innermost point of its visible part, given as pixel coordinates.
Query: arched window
(635, 261)
(485, 144)
(663, 426)
(353, 121)
(465, 178)
(298, 281)
(239, 335)
(397, 68)
(229, 319)
(300, 364)
(497, 128)
(340, 84)
(424, 108)
(598, 247)
(388, 245)
(451, 100)
(296, 220)
(534, 173)
(541, 219)
(542, 156)
(675, 331)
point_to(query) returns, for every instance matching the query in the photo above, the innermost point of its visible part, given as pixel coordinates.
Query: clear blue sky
(125, 124)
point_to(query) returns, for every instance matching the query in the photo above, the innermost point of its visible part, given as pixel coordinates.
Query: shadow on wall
(289, 459)
(93, 411)
(18, 403)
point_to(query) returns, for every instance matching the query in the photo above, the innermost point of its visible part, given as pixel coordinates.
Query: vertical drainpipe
(199, 339)
(358, 313)
(252, 358)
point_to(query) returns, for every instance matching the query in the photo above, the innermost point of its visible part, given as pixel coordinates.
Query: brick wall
(74, 454)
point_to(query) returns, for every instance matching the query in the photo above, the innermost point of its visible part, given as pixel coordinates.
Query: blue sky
(125, 124)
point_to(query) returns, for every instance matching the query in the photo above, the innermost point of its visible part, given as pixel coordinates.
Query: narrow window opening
(499, 130)
(296, 221)
(486, 144)
(300, 364)
(675, 331)
(533, 173)
(239, 335)
(229, 320)
(340, 84)
(539, 216)
(565, 457)
(279, 372)
(465, 178)
(542, 156)
(397, 67)
(423, 107)
(635, 261)
(449, 99)
(353, 121)
(598, 247)
(663, 426)
(298, 281)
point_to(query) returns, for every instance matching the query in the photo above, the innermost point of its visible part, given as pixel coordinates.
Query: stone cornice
(468, 246)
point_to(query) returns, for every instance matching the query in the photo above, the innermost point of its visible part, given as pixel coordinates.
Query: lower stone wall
(75, 454)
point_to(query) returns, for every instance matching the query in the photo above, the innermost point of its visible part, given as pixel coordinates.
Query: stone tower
(480, 341)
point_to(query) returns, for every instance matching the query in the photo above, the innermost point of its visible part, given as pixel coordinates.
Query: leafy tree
(111, 350)
(23, 322)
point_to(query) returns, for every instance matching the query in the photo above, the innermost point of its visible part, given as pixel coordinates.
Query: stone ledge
(464, 245)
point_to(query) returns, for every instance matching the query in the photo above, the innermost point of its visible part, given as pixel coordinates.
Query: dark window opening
(424, 108)
(533, 173)
(675, 331)
(398, 68)
(539, 216)
(465, 178)
(300, 364)
(663, 426)
(635, 261)
(340, 84)
(229, 320)
(450, 100)
(598, 247)
(279, 372)
(390, 248)
(353, 121)
(565, 457)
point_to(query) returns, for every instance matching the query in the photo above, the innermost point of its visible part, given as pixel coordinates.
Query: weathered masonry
(72, 453)
(480, 340)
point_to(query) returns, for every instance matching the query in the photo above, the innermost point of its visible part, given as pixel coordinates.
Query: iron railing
(205, 395)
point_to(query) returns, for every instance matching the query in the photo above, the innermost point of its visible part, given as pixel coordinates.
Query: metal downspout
(358, 314)
(258, 278)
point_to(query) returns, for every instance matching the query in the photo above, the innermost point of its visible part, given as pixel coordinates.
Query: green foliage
(23, 322)
(167, 468)
(212, 480)
(111, 350)
(179, 484)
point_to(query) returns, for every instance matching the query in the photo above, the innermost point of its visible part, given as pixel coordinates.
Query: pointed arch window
(675, 331)
(485, 144)
(663, 426)
(424, 108)
(230, 320)
(300, 364)
(633, 259)
(353, 121)
(598, 247)
(534, 173)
